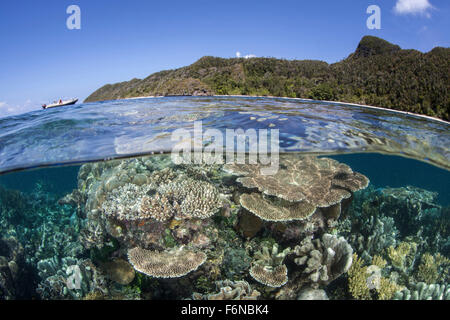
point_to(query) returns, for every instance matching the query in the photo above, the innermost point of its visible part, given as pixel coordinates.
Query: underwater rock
(312, 294)
(236, 262)
(15, 277)
(173, 263)
(119, 271)
(249, 224)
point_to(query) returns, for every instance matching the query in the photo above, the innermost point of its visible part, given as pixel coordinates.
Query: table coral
(173, 263)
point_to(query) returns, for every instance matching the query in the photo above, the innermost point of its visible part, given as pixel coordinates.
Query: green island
(378, 73)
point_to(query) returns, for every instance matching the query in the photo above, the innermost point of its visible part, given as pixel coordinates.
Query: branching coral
(423, 291)
(230, 290)
(366, 282)
(173, 263)
(324, 260)
(267, 267)
(431, 267)
(69, 278)
(373, 236)
(402, 257)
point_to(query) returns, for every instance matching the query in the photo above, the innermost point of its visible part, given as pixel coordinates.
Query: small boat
(60, 103)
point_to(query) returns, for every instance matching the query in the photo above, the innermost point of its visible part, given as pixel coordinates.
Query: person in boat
(60, 101)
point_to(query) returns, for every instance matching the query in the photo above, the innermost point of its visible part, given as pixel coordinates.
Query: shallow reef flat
(145, 228)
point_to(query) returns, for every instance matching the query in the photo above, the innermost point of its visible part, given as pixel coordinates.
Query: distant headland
(378, 73)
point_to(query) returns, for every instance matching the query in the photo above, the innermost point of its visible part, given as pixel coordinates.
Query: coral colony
(313, 230)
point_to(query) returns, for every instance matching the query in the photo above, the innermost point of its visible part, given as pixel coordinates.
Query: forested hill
(378, 73)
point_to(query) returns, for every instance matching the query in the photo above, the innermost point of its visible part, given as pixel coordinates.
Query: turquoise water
(372, 223)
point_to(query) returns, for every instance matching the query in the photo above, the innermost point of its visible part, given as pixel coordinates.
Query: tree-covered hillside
(378, 73)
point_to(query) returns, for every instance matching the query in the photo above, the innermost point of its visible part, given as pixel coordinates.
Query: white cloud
(9, 110)
(247, 56)
(413, 7)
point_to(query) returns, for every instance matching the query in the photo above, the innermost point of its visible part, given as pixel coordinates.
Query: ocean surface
(93, 206)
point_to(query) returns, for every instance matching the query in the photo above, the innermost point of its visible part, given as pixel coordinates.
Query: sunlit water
(51, 234)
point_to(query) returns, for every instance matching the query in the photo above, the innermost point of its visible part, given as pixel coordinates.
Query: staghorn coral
(373, 236)
(173, 263)
(403, 256)
(267, 267)
(430, 268)
(418, 197)
(322, 182)
(230, 290)
(366, 282)
(324, 260)
(423, 291)
(357, 279)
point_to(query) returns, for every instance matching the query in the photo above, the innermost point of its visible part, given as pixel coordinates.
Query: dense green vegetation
(378, 73)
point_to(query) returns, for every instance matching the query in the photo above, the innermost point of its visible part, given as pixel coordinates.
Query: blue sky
(41, 60)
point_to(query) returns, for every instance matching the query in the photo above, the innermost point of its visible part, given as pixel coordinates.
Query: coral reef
(173, 263)
(191, 231)
(308, 192)
(69, 278)
(230, 290)
(15, 276)
(423, 291)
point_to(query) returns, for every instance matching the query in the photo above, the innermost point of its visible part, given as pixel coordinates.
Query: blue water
(96, 131)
